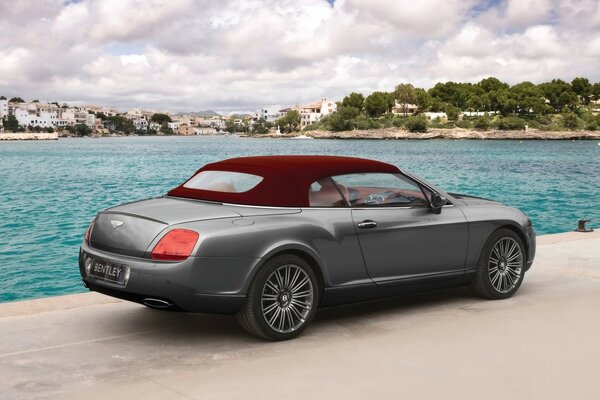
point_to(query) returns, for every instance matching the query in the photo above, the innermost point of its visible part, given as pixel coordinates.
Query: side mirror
(437, 202)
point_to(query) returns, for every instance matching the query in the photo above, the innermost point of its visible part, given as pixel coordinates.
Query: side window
(381, 190)
(323, 193)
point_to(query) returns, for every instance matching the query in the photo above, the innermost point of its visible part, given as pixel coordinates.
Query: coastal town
(19, 116)
(487, 109)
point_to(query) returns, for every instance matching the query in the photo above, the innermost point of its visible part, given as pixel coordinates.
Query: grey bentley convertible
(273, 238)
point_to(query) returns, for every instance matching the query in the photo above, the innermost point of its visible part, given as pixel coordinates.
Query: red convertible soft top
(286, 179)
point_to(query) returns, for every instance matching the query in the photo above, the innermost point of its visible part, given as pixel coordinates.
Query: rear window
(223, 181)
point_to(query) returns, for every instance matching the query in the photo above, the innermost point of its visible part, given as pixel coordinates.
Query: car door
(398, 234)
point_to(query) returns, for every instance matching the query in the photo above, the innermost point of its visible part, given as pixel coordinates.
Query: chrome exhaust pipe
(156, 303)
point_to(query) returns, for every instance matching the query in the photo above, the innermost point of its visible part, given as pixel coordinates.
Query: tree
(290, 121)
(378, 103)
(510, 123)
(119, 123)
(492, 84)
(583, 89)
(101, 115)
(165, 130)
(528, 98)
(454, 93)
(160, 118)
(261, 126)
(422, 99)
(16, 100)
(230, 125)
(502, 101)
(452, 112)
(436, 105)
(11, 124)
(482, 123)
(568, 100)
(596, 91)
(343, 119)
(476, 102)
(559, 94)
(570, 120)
(355, 100)
(417, 123)
(82, 130)
(2, 98)
(405, 94)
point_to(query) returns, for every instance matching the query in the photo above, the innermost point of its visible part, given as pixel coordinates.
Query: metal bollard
(581, 226)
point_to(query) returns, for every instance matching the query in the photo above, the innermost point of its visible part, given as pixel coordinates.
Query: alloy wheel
(287, 298)
(505, 264)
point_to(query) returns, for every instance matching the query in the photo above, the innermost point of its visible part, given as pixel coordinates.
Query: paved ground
(542, 343)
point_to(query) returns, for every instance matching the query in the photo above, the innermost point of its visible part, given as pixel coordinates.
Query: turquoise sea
(50, 191)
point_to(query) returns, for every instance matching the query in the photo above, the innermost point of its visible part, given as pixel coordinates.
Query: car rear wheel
(501, 266)
(282, 299)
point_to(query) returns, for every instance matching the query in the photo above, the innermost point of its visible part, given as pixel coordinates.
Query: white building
(269, 113)
(205, 131)
(140, 123)
(29, 116)
(154, 125)
(404, 108)
(434, 115)
(313, 112)
(3, 108)
(90, 120)
(478, 113)
(218, 122)
(73, 116)
(174, 125)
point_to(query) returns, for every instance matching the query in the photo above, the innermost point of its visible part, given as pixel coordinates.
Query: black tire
(502, 278)
(253, 316)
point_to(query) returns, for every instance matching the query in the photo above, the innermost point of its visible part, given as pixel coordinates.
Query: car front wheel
(501, 266)
(281, 300)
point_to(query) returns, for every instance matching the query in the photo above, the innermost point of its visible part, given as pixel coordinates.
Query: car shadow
(166, 328)
(393, 306)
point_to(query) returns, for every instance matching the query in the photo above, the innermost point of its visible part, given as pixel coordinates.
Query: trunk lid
(130, 228)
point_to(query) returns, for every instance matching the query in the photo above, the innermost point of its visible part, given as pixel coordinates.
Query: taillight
(176, 245)
(86, 238)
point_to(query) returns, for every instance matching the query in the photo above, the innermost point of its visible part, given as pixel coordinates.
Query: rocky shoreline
(456, 134)
(385, 134)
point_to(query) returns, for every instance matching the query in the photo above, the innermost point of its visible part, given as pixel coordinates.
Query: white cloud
(528, 12)
(133, 59)
(580, 14)
(240, 54)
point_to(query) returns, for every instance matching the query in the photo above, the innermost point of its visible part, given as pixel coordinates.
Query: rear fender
(289, 247)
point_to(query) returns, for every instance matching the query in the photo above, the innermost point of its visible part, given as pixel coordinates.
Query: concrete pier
(29, 136)
(544, 343)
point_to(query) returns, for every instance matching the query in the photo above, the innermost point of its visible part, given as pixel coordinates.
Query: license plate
(108, 271)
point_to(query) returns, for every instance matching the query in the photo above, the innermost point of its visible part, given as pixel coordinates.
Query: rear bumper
(197, 303)
(199, 284)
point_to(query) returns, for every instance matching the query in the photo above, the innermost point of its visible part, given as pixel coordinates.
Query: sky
(239, 55)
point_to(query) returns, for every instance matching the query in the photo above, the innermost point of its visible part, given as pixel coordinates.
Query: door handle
(367, 224)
